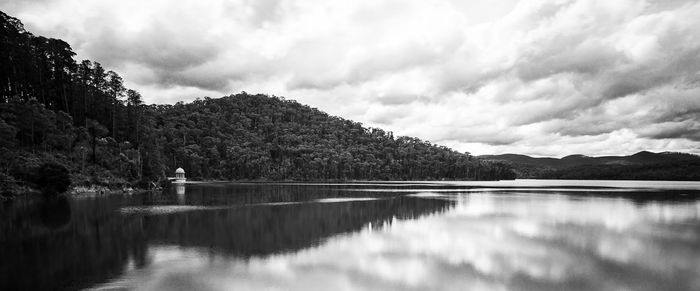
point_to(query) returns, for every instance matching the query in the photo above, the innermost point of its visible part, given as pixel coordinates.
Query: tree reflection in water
(100, 241)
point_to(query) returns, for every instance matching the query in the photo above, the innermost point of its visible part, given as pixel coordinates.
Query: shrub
(8, 186)
(52, 178)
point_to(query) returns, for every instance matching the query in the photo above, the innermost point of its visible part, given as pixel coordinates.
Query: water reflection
(320, 237)
(54, 212)
(107, 237)
(487, 241)
(267, 229)
(180, 192)
(51, 253)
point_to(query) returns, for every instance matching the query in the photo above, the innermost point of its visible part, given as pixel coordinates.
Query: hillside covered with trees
(643, 165)
(80, 115)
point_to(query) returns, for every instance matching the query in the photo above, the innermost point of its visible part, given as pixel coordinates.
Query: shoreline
(92, 191)
(78, 192)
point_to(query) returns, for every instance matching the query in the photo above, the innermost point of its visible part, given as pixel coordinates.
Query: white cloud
(539, 77)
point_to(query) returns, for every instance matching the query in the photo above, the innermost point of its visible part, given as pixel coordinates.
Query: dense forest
(674, 171)
(643, 165)
(54, 109)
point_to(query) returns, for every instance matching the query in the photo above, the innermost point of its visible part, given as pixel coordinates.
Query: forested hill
(251, 136)
(643, 165)
(80, 115)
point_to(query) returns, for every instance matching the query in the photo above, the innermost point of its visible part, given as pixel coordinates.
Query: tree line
(688, 170)
(643, 165)
(81, 115)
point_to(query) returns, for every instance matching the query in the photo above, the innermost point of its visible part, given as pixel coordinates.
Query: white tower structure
(180, 176)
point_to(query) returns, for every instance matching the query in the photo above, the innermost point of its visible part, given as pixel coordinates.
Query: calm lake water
(510, 235)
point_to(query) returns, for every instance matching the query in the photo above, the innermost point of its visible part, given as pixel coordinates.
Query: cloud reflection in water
(488, 241)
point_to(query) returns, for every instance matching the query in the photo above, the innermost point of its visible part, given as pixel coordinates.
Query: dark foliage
(52, 178)
(640, 166)
(676, 171)
(53, 109)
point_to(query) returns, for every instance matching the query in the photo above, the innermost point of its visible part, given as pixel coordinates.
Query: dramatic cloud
(537, 77)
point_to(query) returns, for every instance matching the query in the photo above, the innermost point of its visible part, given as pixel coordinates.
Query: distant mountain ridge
(641, 165)
(643, 157)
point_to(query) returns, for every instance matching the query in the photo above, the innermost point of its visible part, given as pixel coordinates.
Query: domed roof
(179, 171)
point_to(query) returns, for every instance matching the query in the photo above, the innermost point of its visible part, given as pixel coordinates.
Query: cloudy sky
(546, 78)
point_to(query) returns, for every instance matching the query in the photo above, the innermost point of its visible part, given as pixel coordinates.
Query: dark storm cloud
(169, 79)
(567, 56)
(482, 134)
(673, 69)
(167, 52)
(154, 47)
(673, 130)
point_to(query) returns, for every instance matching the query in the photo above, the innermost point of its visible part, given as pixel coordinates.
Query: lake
(507, 235)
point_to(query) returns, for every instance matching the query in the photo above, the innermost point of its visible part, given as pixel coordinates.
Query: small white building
(179, 176)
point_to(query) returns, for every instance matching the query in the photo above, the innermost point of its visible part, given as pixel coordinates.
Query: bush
(8, 186)
(52, 178)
